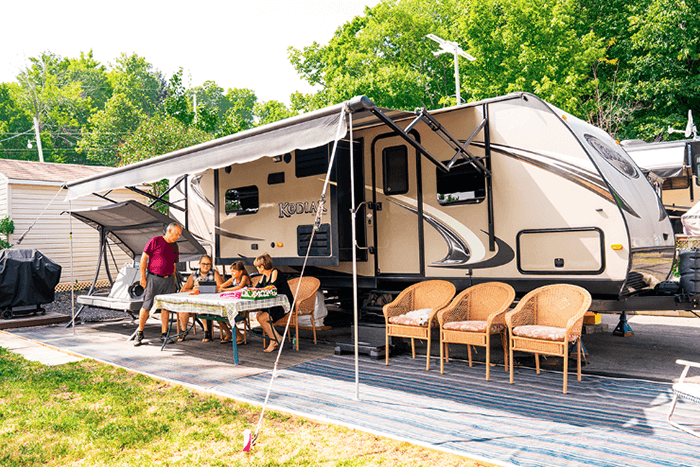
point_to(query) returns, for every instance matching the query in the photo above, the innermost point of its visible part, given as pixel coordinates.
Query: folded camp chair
(688, 390)
(304, 304)
(472, 317)
(546, 321)
(413, 313)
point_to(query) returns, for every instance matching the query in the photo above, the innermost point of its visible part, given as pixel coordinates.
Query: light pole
(38, 140)
(453, 48)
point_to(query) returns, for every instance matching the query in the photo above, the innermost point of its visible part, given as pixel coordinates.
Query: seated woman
(239, 279)
(267, 318)
(204, 274)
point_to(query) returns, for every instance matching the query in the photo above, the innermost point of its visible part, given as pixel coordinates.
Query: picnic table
(215, 307)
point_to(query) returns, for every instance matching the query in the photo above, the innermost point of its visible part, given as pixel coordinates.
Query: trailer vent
(308, 162)
(321, 245)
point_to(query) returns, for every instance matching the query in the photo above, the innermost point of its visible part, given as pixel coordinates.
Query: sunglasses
(205, 264)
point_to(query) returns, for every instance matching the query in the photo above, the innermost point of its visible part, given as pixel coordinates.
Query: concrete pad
(35, 352)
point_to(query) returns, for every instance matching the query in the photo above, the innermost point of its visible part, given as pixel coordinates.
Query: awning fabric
(130, 225)
(303, 132)
(666, 160)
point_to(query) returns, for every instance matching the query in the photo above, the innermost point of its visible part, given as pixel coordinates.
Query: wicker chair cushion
(549, 333)
(688, 391)
(413, 318)
(472, 326)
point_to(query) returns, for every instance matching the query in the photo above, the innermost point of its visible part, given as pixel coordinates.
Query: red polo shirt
(162, 256)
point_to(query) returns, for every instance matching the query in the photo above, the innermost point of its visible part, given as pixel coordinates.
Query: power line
(16, 135)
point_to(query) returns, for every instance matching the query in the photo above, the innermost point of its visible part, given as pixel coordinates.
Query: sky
(237, 44)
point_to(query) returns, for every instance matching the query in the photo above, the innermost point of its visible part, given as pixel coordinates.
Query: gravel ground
(62, 305)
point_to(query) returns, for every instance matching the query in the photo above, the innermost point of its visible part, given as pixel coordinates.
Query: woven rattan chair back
(304, 304)
(487, 302)
(432, 295)
(559, 306)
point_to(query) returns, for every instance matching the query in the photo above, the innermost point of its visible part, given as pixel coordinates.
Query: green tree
(108, 129)
(155, 136)
(240, 115)
(15, 126)
(7, 227)
(271, 111)
(47, 91)
(137, 89)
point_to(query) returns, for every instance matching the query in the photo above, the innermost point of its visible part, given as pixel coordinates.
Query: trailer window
(463, 184)
(243, 200)
(395, 168)
(308, 162)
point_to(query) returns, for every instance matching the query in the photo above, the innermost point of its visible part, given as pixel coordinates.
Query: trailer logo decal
(612, 157)
(289, 209)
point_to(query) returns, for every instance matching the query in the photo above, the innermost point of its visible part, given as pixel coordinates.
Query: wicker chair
(473, 316)
(426, 295)
(686, 389)
(546, 321)
(304, 304)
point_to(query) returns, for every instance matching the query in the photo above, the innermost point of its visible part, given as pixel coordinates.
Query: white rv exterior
(559, 201)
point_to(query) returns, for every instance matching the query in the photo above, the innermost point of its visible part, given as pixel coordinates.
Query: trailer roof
(302, 132)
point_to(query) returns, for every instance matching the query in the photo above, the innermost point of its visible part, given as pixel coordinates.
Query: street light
(453, 48)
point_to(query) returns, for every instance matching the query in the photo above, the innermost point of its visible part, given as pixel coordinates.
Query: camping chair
(472, 317)
(304, 304)
(412, 313)
(546, 321)
(686, 390)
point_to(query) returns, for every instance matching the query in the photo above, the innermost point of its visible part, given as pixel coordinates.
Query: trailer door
(398, 209)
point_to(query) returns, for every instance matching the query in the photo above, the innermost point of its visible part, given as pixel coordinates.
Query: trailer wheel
(7, 314)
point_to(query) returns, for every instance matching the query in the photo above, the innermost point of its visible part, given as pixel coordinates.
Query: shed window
(395, 168)
(243, 200)
(463, 184)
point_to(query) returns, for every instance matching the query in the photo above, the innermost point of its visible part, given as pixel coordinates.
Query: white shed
(28, 187)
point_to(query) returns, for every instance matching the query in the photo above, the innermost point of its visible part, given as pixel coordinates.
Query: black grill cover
(27, 277)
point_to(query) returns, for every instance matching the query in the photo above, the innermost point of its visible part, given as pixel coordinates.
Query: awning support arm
(160, 199)
(461, 149)
(154, 197)
(390, 123)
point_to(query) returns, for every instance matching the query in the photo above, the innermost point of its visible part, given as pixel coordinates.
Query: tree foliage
(630, 68)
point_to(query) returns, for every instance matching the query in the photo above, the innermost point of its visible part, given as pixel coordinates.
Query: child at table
(239, 279)
(205, 273)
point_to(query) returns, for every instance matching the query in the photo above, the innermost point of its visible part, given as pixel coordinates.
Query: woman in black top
(267, 317)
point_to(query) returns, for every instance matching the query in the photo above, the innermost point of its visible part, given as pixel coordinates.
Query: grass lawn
(88, 413)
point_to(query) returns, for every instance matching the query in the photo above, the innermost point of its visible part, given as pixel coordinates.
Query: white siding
(50, 234)
(3, 197)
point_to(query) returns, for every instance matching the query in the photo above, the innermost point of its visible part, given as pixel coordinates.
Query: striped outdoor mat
(601, 421)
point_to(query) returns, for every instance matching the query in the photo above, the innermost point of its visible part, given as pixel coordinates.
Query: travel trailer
(669, 167)
(509, 189)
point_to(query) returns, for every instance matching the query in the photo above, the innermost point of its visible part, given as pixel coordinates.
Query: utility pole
(453, 48)
(38, 139)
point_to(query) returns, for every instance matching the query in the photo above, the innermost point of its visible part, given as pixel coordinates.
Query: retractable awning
(665, 160)
(303, 132)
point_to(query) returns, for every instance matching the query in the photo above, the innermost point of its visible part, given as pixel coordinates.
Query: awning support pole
(489, 184)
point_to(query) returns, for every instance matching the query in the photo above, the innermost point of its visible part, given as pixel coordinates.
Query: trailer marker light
(616, 246)
(564, 117)
(280, 245)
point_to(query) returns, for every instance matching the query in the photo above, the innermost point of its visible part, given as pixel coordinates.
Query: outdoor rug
(600, 422)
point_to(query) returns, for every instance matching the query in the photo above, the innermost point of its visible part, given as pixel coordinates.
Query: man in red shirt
(158, 275)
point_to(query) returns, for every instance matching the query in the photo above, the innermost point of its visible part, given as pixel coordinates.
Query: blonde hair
(264, 260)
